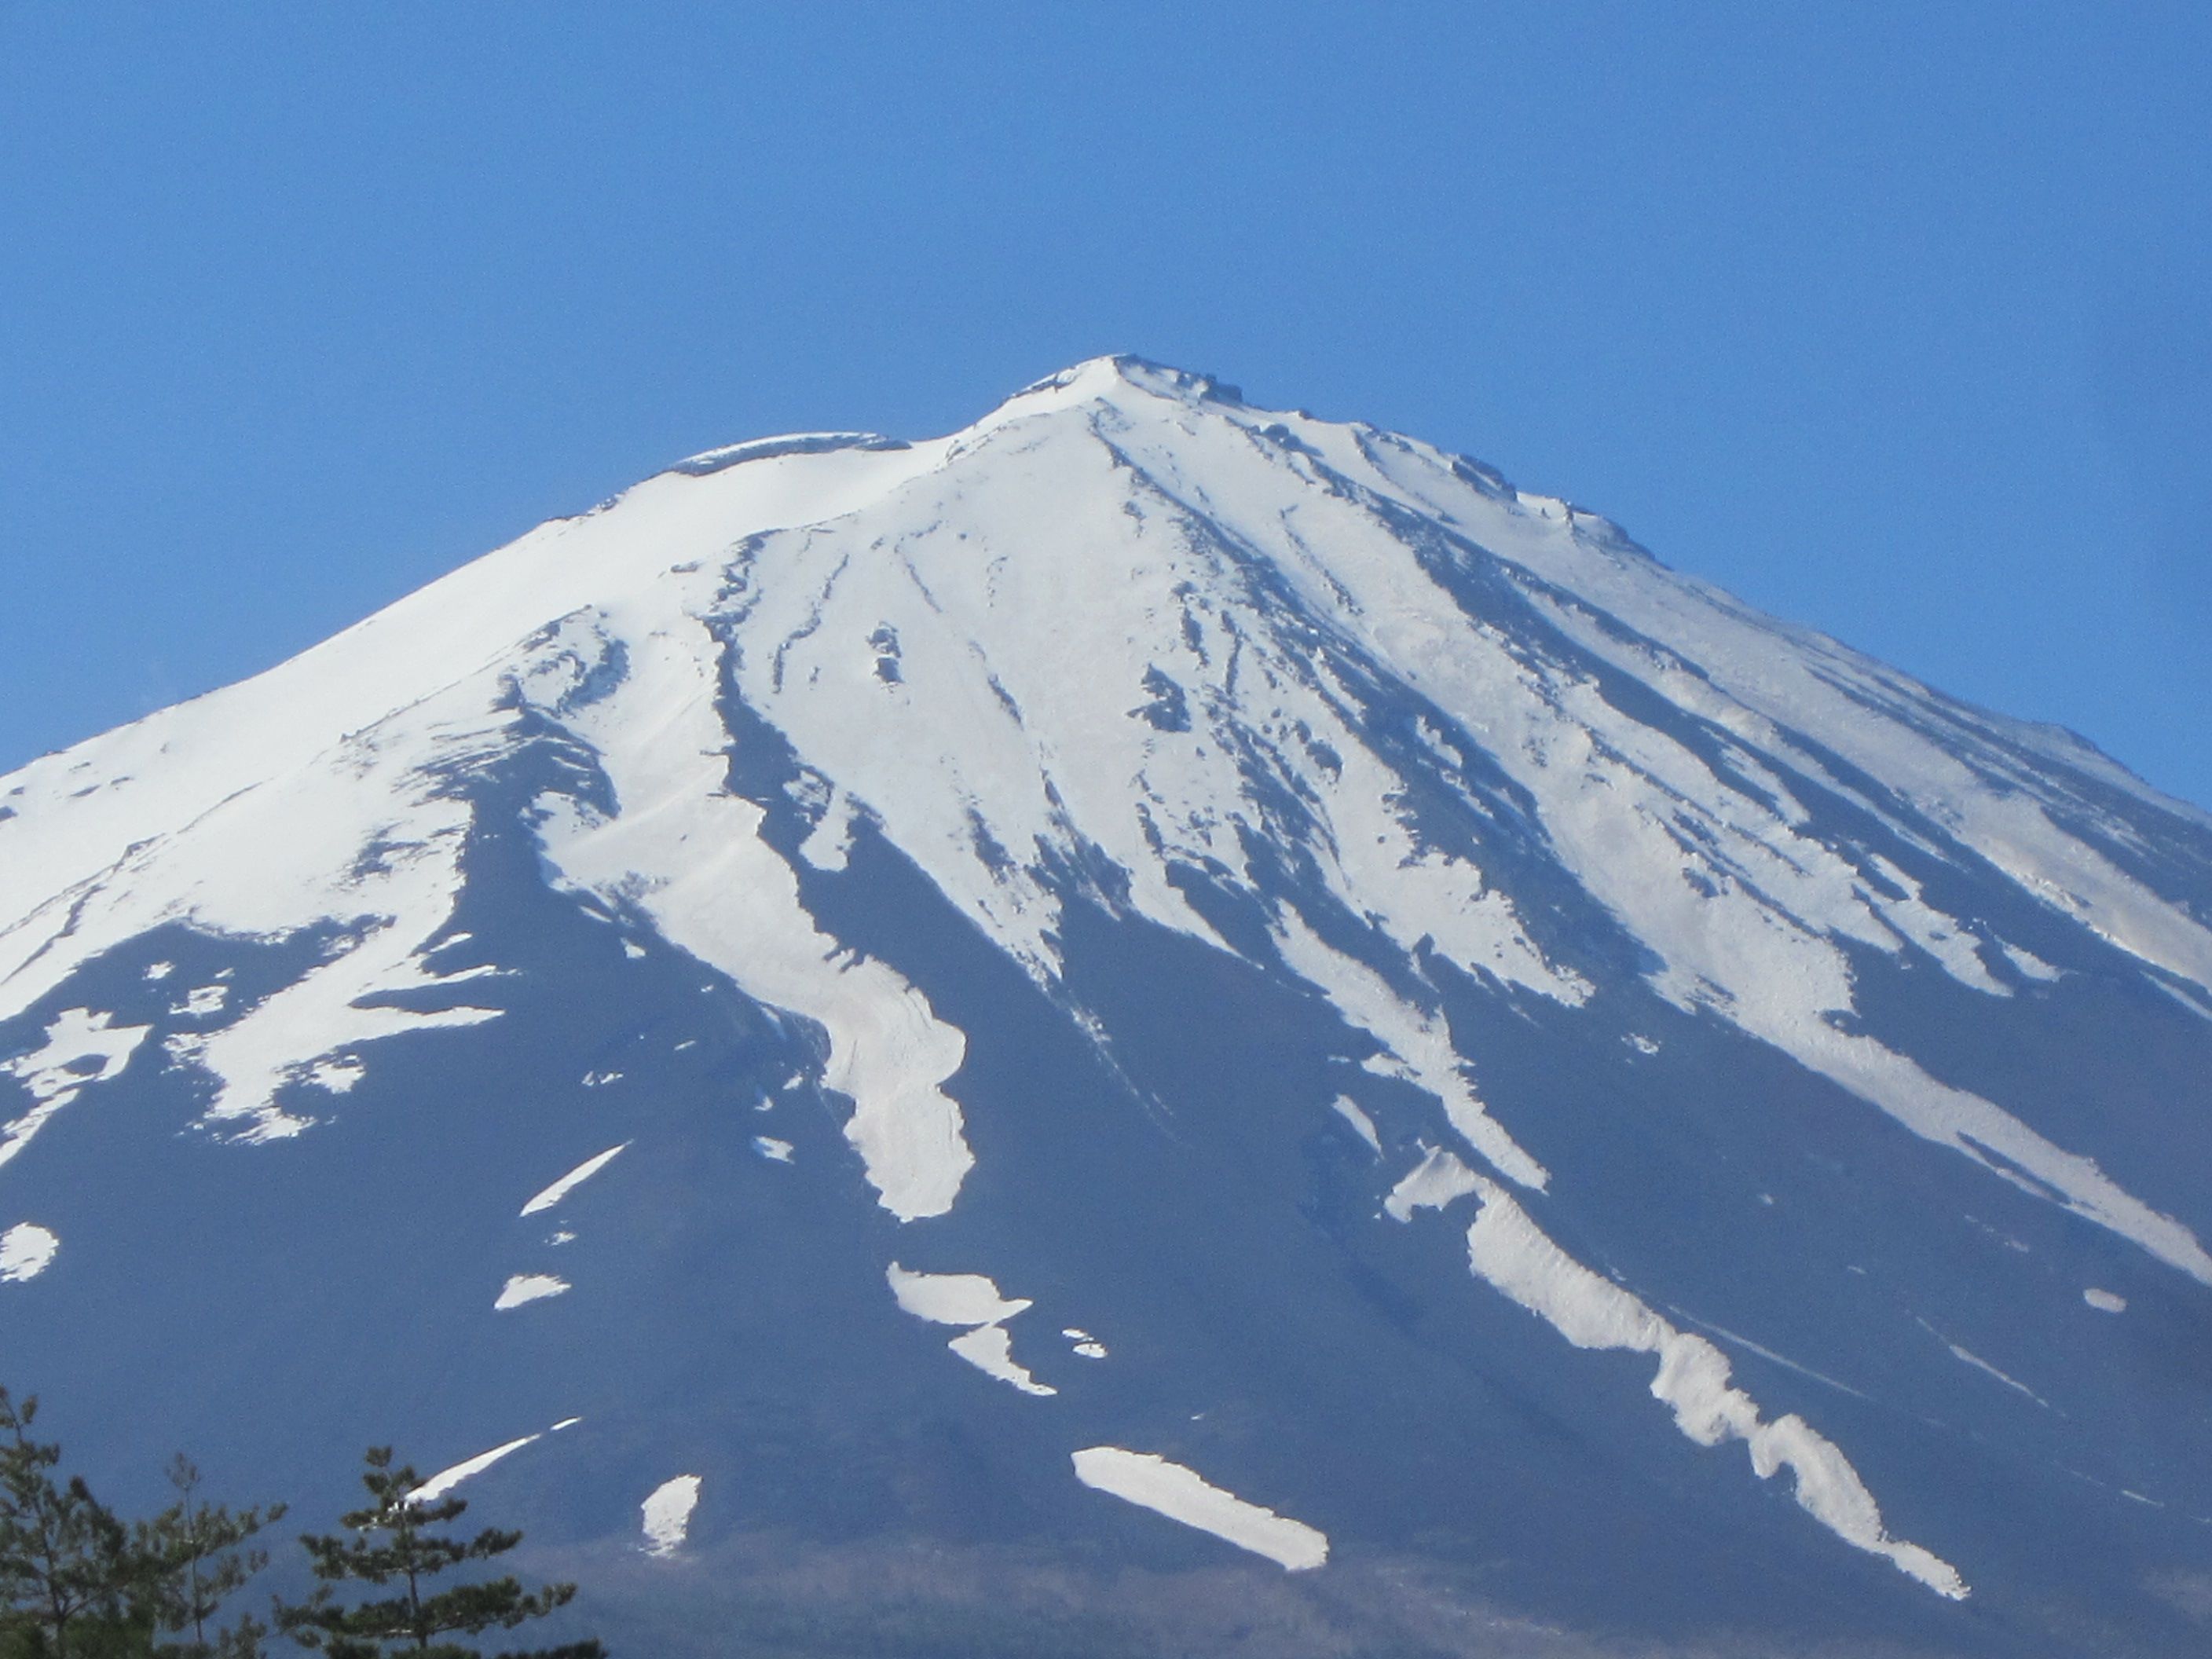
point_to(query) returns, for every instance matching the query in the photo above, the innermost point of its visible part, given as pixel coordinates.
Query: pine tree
(392, 1545)
(195, 1562)
(70, 1582)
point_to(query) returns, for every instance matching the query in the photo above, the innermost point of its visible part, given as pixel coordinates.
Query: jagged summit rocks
(1209, 1016)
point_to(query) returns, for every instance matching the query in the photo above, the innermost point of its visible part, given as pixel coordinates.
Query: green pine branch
(393, 1542)
(76, 1581)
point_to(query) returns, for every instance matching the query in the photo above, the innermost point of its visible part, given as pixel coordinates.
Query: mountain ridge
(1600, 947)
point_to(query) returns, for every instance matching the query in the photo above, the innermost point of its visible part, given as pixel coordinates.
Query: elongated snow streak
(523, 1288)
(690, 853)
(972, 1300)
(26, 1251)
(445, 1479)
(1738, 1340)
(1968, 1356)
(667, 1514)
(1987, 1134)
(1182, 1494)
(1362, 1125)
(576, 1178)
(1507, 1250)
(1418, 1047)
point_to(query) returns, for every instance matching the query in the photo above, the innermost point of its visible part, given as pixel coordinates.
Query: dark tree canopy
(393, 1546)
(194, 1558)
(67, 1571)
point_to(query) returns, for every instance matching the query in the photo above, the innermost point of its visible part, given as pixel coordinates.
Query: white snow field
(1127, 624)
(781, 570)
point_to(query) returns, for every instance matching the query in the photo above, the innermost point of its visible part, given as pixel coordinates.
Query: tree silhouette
(67, 1570)
(194, 1563)
(389, 1545)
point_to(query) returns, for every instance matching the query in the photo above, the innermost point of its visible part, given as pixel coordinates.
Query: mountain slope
(1375, 1021)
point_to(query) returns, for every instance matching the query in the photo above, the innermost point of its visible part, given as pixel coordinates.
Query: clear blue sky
(1893, 319)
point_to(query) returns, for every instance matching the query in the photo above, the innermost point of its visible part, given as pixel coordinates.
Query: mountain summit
(1157, 1026)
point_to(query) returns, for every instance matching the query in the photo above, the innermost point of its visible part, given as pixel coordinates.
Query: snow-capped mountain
(1158, 1026)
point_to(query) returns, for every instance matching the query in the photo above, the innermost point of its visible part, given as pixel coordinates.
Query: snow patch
(827, 844)
(447, 1479)
(667, 1513)
(82, 1047)
(576, 1177)
(286, 1037)
(1434, 1183)
(1182, 1494)
(990, 1350)
(207, 1000)
(337, 1076)
(972, 1300)
(521, 1288)
(27, 1249)
(1362, 1125)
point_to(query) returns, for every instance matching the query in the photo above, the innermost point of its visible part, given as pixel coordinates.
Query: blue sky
(1892, 319)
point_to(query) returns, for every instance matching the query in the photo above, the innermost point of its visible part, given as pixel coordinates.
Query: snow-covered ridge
(940, 629)
(1312, 694)
(768, 449)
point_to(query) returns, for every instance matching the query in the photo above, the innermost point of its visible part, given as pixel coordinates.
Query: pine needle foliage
(67, 1571)
(393, 1544)
(195, 1557)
